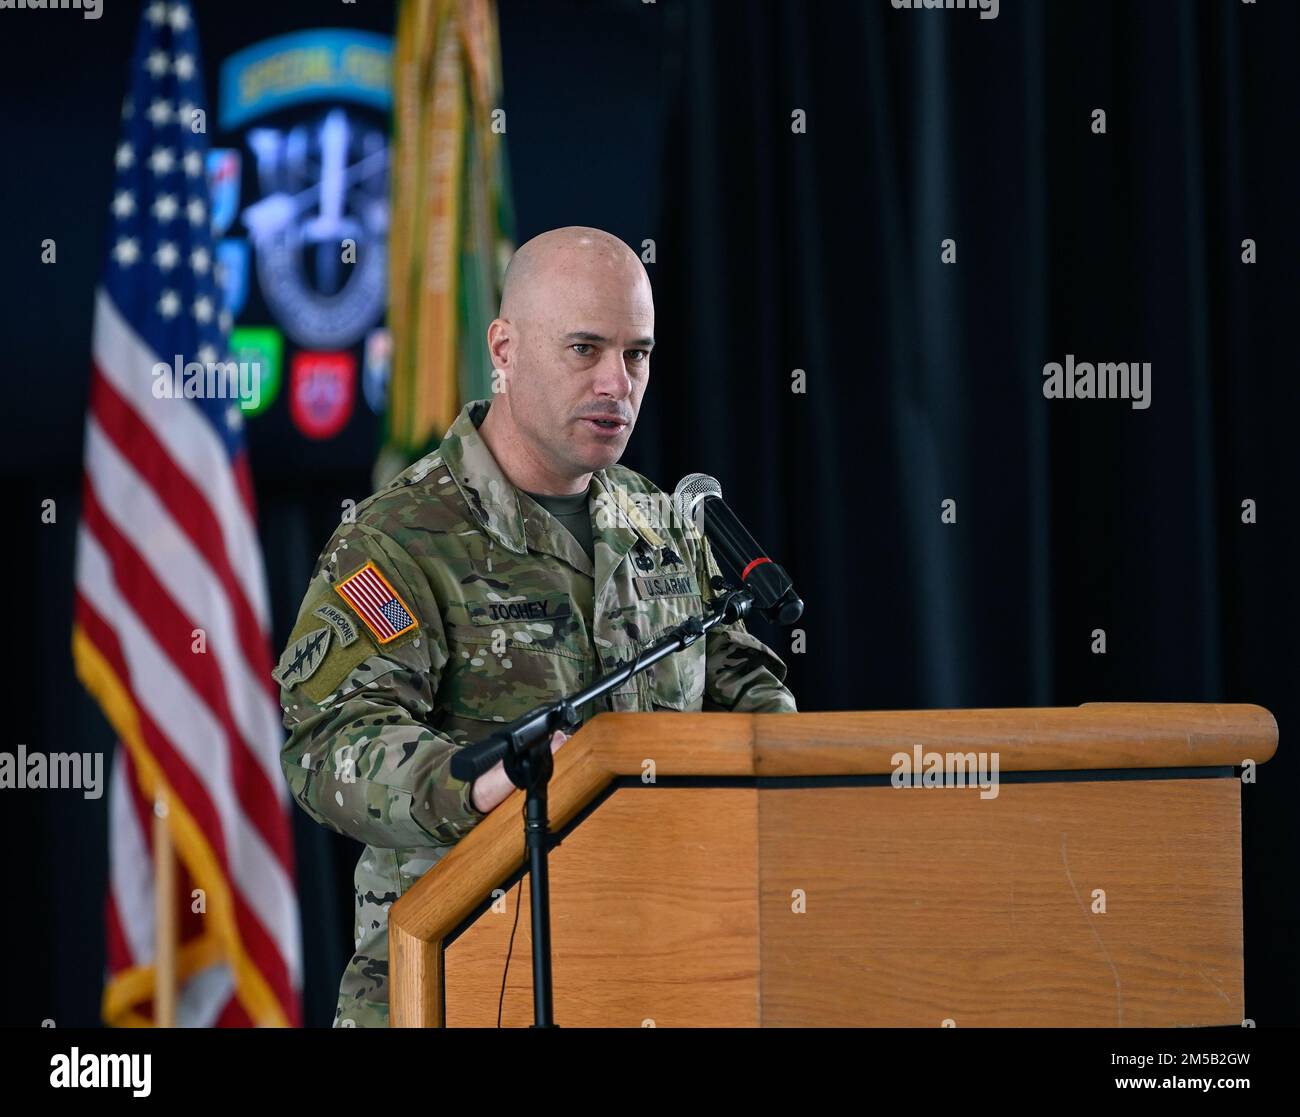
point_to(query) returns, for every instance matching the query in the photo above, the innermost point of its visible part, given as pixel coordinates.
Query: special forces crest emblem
(319, 230)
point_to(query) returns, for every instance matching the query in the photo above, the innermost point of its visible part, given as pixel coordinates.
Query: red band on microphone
(757, 562)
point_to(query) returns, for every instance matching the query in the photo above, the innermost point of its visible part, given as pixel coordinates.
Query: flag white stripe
(129, 868)
(190, 442)
(130, 504)
(204, 996)
(170, 702)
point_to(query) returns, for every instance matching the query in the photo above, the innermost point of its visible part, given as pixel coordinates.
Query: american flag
(171, 629)
(369, 593)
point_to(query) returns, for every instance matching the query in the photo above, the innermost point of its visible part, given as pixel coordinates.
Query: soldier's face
(583, 366)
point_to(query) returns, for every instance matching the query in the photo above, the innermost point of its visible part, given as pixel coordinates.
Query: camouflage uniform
(490, 583)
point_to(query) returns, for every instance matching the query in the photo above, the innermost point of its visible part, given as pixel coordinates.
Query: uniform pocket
(495, 676)
(678, 682)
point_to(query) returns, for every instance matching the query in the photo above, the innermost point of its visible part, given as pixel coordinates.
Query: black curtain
(821, 252)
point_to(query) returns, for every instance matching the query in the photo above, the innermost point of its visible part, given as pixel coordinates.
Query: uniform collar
(519, 525)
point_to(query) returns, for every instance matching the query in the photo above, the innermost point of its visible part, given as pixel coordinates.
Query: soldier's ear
(501, 342)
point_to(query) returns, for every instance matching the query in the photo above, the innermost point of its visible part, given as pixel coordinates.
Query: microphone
(698, 500)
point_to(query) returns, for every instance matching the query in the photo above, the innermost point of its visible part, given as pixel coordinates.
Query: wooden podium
(764, 869)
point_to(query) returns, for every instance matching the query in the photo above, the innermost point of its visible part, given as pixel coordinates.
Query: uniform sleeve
(361, 758)
(742, 674)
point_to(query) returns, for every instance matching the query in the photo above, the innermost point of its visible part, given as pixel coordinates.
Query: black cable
(510, 950)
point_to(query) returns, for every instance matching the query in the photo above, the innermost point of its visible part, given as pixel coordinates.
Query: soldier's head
(572, 351)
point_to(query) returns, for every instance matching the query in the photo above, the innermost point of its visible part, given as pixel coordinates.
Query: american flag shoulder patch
(377, 604)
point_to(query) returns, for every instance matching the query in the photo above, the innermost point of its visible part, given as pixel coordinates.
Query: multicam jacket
(452, 602)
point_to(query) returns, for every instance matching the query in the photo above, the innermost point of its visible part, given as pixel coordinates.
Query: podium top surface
(1096, 735)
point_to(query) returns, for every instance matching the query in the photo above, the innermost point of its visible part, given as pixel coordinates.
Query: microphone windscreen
(690, 491)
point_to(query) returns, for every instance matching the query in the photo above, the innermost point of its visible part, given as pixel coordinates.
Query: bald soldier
(513, 565)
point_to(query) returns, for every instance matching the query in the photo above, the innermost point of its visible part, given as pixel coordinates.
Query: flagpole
(165, 919)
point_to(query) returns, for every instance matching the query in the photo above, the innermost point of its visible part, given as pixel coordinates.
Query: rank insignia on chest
(377, 604)
(643, 559)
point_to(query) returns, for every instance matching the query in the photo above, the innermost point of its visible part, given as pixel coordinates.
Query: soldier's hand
(493, 787)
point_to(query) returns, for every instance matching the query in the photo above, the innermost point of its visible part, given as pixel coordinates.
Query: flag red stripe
(244, 483)
(233, 1016)
(172, 631)
(187, 507)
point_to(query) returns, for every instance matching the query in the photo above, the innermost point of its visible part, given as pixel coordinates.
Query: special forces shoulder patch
(377, 604)
(302, 657)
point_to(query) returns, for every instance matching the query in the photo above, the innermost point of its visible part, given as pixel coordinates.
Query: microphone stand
(525, 748)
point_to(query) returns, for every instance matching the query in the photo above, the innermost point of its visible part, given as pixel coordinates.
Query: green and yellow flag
(452, 227)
